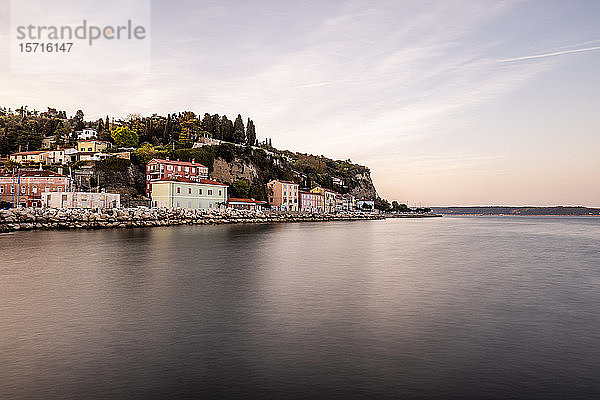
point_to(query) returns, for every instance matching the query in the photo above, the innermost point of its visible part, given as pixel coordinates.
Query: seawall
(51, 218)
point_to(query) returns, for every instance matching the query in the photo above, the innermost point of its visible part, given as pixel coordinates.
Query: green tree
(382, 204)
(78, 120)
(226, 129)
(240, 188)
(239, 132)
(124, 137)
(250, 133)
(143, 154)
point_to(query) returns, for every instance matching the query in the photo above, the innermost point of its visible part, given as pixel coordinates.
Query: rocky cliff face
(364, 186)
(237, 169)
(258, 168)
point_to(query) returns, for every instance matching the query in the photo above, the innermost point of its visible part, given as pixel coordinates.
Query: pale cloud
(552, 54)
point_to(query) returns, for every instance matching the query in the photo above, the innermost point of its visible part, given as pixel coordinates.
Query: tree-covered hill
(233, 155)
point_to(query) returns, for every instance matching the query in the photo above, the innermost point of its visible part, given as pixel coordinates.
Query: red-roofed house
(245, 204)
(178, 192)
(158, 169)
(25, 187)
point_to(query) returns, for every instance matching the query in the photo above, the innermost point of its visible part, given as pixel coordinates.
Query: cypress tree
(250, 133)
(226, 129)
(239, 132)
(216, 125)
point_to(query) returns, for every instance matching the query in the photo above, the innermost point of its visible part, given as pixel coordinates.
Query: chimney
(193, 160)
(168, 159)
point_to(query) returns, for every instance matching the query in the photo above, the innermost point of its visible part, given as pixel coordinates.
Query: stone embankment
(50, 218)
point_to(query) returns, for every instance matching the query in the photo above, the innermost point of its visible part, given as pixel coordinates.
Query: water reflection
(450, 308)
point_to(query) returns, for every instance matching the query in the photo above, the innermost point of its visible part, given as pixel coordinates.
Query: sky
(448, 102)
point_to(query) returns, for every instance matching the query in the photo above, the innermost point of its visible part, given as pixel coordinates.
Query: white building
(86, 134)
(365, 205)
(81, 200)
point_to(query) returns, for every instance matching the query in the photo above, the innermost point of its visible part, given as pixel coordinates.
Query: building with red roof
(245, 204)
(182, 192)
(158, 169)
(25, 187)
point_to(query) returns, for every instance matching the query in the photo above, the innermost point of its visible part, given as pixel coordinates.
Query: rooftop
(182, 163)
(32, 173)
(29, 153)
(237, 200)
(186, 180)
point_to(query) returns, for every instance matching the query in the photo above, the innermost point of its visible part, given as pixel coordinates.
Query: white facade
(81, 200)
(87, 134)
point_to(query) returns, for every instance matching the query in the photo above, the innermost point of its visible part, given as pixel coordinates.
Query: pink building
(26, 187)
(283, 195)
(158, 169)
(311, 202)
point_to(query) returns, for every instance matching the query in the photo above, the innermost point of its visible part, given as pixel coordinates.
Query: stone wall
(51, 218)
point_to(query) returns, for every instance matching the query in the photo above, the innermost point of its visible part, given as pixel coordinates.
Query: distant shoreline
(518, 211)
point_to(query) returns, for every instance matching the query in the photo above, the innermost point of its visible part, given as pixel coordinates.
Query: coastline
(22, 219)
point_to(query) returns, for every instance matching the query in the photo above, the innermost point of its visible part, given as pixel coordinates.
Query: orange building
(283, 195)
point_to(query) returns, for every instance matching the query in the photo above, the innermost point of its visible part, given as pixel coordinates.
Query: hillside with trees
(233, 155)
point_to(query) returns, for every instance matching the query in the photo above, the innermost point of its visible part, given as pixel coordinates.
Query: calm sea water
(457, 307)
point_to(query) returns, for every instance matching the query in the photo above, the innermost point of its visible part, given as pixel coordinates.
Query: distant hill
(505, 210)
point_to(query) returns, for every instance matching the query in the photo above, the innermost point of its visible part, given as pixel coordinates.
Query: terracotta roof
(186, 180)
(211, 182)
(325, 189)
(182, 163)
(93, 140)
(308, 192)
(27, 153)
(234, 200)
(288, 182)
(27, 173)
(175, 179)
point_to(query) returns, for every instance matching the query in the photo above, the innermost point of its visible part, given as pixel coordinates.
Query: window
(155, 203)
(2, 189)
(169, 168)
(178, 205)
(179, 168)
(189, 204)
(189, 190)
(199, 191)
(34, 189)
(12, 189)
(209, 205)
(210, 192)
(220, 192)
(60, 188)
(187, 169)
(23, 189)
(178, 190)
(90, 149)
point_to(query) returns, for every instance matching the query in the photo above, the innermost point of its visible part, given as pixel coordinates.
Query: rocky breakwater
(51, 218)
